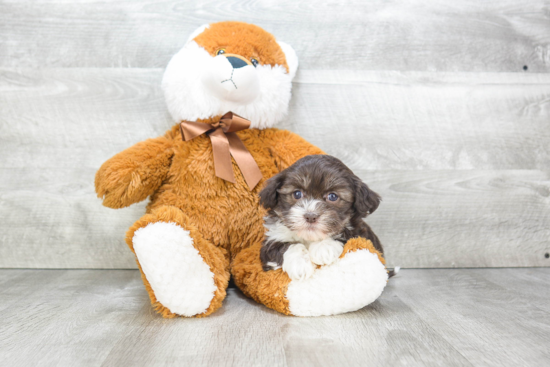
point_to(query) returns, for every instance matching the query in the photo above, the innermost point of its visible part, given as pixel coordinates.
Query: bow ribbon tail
(248, 166)
(225, 143)
(222, 155)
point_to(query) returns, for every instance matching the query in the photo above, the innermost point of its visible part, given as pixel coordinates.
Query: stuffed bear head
(231, 66)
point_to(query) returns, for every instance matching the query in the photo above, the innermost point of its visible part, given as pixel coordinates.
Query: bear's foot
(184, 274)
(349, 284)
(354, 280)
(178, 275)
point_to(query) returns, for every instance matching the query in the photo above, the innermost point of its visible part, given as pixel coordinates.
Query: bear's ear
(291, 58)
(197, 31)
(269, 195)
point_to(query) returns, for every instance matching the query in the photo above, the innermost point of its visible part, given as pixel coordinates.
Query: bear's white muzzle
(238, 85)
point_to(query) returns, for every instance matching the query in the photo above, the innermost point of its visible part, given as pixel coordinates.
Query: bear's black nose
(236, 62)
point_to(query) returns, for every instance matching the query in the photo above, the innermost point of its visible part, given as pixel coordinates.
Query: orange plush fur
(224, 219)
(270, 287)
(250, 42)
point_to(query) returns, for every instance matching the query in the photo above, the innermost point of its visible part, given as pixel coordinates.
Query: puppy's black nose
(311, 217)
(236, 62)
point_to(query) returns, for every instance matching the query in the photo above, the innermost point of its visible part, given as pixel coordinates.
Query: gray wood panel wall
(428, 101)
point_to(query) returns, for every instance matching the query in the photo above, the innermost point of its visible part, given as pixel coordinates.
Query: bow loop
(231, 122)
(225, 143)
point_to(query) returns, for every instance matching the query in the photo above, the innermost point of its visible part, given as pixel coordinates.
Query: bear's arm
(135, 173)
(287, 147)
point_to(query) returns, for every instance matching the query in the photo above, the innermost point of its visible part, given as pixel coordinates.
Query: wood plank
(104, 318)
(77, 117)
(392, 120)
(457, 218)
(426, 219)
(375, 35)
(423, 318)
(385, 333)
(514, 280)
(488, 324)
(258, 337)
(384, 120)
(18, 285)
(242, 333)
(71, 320)
(63, 226)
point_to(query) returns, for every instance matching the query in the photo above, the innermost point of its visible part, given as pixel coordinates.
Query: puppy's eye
(297, 194)
(332, 197)
(254, 62)
(220, 51)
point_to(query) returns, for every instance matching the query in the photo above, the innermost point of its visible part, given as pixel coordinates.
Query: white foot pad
(180, 278)
(347, 285)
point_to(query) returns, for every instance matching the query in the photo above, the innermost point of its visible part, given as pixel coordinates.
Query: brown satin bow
(225, 143)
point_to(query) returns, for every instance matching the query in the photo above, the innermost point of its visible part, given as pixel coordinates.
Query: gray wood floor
(438, 317)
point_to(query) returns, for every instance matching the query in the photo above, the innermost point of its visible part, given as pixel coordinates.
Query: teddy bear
(226, 89)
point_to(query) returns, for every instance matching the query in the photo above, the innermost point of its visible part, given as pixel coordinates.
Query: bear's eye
(297, 194)
(220, 51)
(332, 197)
(254, 62)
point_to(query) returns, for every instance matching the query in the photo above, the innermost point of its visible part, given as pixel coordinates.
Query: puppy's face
(317, 197)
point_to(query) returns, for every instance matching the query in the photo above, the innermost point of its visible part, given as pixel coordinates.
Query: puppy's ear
(366, 200)
(269, 195)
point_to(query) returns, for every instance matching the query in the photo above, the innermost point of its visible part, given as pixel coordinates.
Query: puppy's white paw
(325, 252)
(296, 263)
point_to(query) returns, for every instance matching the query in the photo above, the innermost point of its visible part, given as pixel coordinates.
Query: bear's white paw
(325, 252)
(297, 264)
(180, 278)
(350, 283)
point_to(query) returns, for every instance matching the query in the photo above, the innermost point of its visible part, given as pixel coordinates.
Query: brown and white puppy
(314, 207)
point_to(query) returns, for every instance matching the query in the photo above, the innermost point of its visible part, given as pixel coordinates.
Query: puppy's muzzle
(311, 217)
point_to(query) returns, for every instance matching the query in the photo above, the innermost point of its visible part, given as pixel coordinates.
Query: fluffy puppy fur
(314, 207)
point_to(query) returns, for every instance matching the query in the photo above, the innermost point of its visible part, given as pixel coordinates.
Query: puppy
(314, 207)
